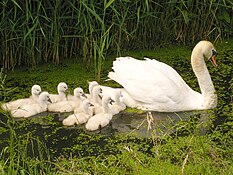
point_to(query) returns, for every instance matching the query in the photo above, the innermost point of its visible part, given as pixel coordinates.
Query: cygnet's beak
(100, 96)
(40, 92)
(84, 95)
(50, 101)
(112, 101)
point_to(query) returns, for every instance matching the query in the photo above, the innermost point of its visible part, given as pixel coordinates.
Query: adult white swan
(158, 87)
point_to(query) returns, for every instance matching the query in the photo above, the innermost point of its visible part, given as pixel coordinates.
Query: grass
(35, 32)
(43, 146)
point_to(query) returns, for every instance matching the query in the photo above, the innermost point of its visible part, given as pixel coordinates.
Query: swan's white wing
(148, 81)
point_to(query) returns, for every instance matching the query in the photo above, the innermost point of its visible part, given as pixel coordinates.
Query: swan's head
(208, 50)
(36, 90)
(62, 87)
(78, 92)
(44, 97)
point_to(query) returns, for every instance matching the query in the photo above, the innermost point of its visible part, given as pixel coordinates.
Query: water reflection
(156, 123)
(145, 124)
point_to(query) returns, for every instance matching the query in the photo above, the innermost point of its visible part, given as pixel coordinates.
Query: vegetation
(35, 31)
(41, 145)
(46, 42)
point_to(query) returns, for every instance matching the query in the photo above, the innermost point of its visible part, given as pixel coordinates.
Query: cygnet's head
(36, 90)
(62, 87)
(44, 97)
(78, 92)
(118, 94)
(97, 90)
(87, 104)
(107, 100)
(92, 84)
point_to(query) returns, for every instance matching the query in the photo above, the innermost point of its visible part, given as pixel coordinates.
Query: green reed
(36, 31)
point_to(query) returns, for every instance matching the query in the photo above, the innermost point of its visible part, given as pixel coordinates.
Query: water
(62, 140)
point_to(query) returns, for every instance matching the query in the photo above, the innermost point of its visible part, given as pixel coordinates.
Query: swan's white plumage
(156, 86)
(34, 98)
(86, 112)
(102, 119)
(28, 110)
(61, 96)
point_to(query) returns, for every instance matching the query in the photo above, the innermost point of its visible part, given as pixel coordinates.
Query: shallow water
(62, 140)
(142, 124)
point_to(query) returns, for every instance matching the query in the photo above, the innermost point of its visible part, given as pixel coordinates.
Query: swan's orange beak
(213, 60)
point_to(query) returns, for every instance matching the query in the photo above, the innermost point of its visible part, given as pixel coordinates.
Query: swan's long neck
(204, 79)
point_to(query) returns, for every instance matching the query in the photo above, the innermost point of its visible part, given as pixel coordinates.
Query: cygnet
(34, 98)
(33, 109)
(71, 104)
(96, 100)
(92, 84)
(83, 116)
(61, 96)
(102, 119)
(118, 105)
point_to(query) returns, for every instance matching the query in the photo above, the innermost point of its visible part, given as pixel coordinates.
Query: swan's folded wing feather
(147, 81)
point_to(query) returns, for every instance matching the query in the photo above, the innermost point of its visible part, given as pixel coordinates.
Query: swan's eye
(214, 53)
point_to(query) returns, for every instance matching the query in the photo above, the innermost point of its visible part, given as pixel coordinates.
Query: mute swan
(102, 119)
(34, 98)
(158, 87)
(28, 110)
(70, 104)
(61, 96)
(82, 117)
